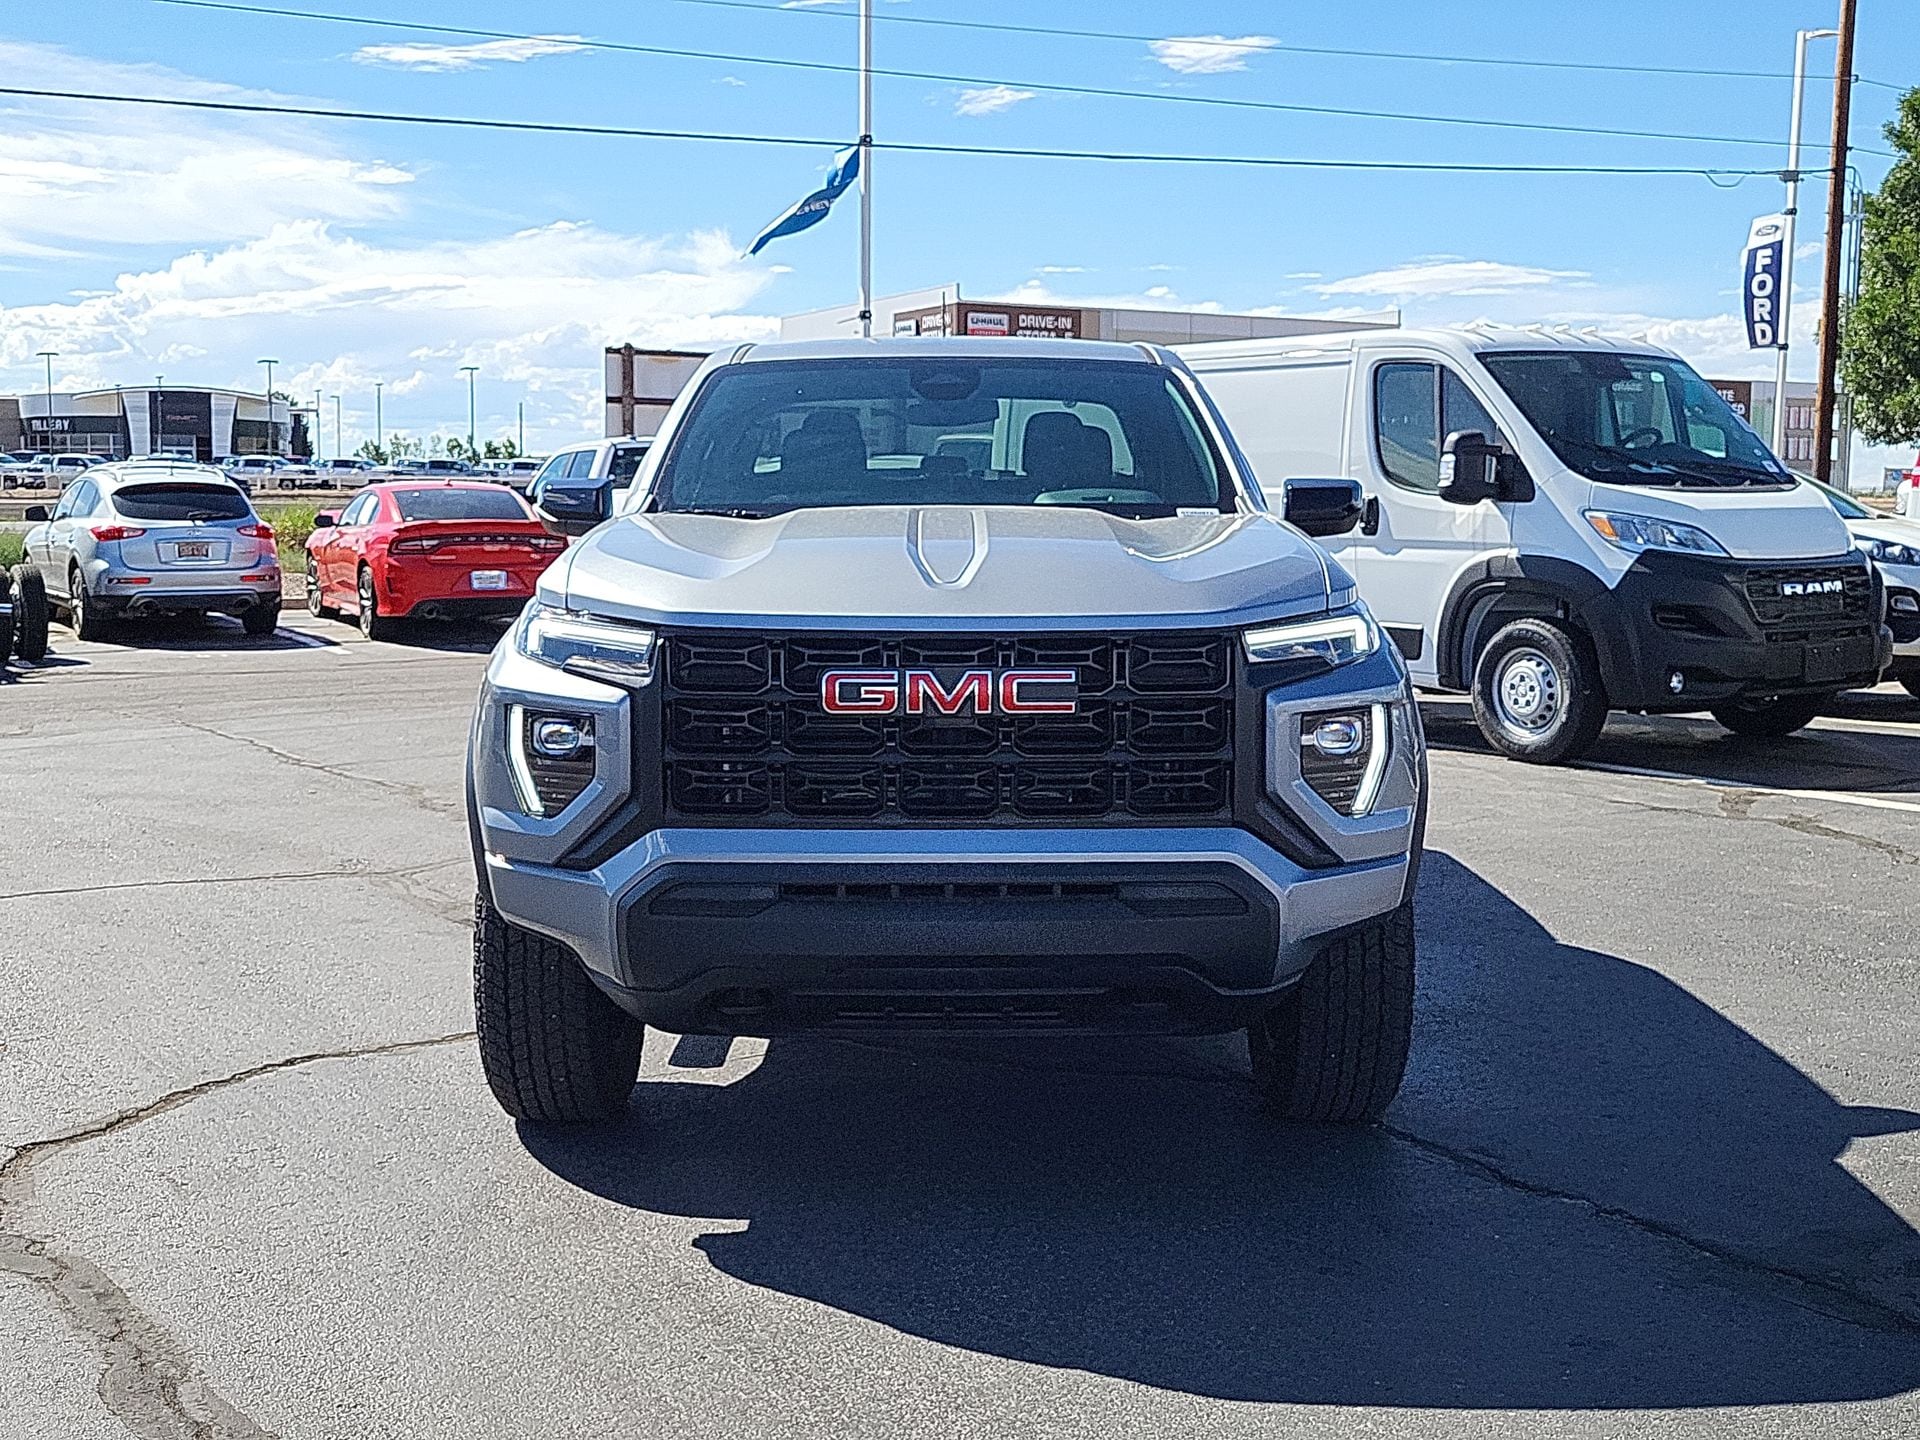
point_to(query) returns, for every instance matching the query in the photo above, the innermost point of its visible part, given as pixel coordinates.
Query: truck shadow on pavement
(1594, 1192)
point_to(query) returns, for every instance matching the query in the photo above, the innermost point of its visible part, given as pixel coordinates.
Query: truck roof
(1474, 339)
(946, 347)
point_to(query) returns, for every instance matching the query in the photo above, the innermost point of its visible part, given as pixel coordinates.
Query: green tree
(1880, 346)
(378, 454)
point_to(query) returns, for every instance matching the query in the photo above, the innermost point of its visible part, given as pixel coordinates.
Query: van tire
(555, 1051)
(1545, 672)
(1334, 1050)
(1770, 719)
(30, 613)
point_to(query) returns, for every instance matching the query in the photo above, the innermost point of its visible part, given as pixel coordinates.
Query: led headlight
(1888, 552)
(586, 644)
(1648, 532)
(1328, 641)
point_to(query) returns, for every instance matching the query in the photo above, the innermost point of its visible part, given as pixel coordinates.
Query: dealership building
(138, 420)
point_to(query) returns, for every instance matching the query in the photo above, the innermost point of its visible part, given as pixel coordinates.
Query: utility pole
(1792, 177)
(866, 169)
(1823, 395)
(470, 371)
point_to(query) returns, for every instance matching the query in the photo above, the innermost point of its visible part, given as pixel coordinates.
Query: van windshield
(1634, 419)
(775, 436)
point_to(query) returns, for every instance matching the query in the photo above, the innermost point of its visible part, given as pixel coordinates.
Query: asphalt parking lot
(1655, 1171)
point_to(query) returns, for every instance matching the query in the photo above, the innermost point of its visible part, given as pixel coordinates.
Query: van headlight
(1326, 642)
(1649, 532)
(586, 644)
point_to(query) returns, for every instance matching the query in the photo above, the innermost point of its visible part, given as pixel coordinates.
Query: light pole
(470, 371)
(316, 422)
(49, 356)
(520, 445)
(379, 426)
(336, 426)
(272, 447)
(1792, 177)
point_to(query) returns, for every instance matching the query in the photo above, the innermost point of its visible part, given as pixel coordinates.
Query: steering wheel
(1646, 435)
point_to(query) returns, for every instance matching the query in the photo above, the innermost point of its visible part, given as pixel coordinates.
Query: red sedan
(442, 549)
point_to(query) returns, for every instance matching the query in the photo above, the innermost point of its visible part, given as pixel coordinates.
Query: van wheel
(1537, 694)
(1333, 1051)
(555, 1051)
(30, 612)
(1770, 719)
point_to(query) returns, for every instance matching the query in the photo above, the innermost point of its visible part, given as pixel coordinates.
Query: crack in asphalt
(1738, 805)
(376, 876)
(417, 795)
(147, 1379)
(1848, 1304)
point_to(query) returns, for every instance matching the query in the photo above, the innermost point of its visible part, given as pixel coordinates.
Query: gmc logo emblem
(972, 692)
(1812, 587)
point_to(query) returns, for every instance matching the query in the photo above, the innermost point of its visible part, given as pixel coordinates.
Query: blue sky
(137, 241)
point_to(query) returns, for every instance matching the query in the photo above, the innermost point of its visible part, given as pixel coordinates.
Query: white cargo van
(1560, 524)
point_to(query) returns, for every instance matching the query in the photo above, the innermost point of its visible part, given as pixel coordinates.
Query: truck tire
(1333, 1051)
(554, 1049)
(30, 613)
(1537, 694)
(6, 630)
(1770, 719)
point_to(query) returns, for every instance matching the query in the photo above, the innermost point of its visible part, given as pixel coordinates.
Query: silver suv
(947, 685)
(147, 537)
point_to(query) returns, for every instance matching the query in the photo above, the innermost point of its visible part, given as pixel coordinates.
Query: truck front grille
(747, 740)
(1810, 597)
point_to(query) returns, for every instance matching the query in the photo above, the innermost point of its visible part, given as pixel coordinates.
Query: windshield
(767, 438)
(1634, 419)
(451, 504)
(180, 500)
(1848, 508)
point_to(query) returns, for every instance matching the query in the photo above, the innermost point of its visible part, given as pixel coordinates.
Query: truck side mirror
(1467, 464)
(573, 509)
(35, 513)
(1321, 507)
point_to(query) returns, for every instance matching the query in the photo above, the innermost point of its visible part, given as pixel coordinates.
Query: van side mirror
(34, 512)
(569, 508)
(1467, 465)
(1321, 507)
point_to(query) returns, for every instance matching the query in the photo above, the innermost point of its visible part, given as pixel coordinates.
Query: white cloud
(533, 309)
(990, 100)
(74, 176)
(441, 58)
(1447, 275)
(1208, 54)
(733, 80)
(1062, 270)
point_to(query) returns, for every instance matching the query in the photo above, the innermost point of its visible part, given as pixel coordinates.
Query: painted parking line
(1713, 782)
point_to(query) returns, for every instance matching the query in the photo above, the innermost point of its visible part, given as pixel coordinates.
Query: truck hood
(951, 567)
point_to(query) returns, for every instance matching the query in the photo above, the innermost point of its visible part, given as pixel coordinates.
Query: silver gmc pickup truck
(950, 685)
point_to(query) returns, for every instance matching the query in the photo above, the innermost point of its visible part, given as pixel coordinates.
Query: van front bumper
(1680, 632)
(761, 932)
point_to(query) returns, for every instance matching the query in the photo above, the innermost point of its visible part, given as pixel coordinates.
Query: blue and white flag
(812, 210)
(1760, 266)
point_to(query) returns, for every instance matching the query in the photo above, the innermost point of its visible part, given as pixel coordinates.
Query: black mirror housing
(34, 512)
(568, 509)
(1467, 466)
(1322, 507)
(326, 520)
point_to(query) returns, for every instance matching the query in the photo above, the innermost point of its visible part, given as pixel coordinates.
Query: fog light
(1343, 755)
(1676, 682)
(1906, 604)
(551, 758)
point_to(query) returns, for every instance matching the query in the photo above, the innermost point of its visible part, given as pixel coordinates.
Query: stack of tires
(23, 596)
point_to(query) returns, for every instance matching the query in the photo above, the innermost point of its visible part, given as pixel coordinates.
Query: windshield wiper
(731, 512)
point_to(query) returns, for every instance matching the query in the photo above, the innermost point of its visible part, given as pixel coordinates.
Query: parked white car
(1893, 544)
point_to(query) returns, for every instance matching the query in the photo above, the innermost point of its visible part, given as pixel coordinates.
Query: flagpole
(866, 169)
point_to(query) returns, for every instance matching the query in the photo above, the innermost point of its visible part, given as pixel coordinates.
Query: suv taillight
(116, 532)
(259, 531)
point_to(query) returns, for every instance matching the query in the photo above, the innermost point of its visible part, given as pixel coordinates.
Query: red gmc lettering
(875, 692)
(974, 688)
(1012, 680)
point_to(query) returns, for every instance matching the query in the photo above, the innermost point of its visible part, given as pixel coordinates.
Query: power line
(1277, 45)
(1016, 152)
(841, 68)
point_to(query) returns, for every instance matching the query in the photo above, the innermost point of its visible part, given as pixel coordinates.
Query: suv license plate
(193, 550)
(487, 579)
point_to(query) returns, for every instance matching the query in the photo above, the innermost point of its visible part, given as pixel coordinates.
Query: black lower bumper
(181, 602)
(1728, 632)
(465, 607)
(756, 949)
